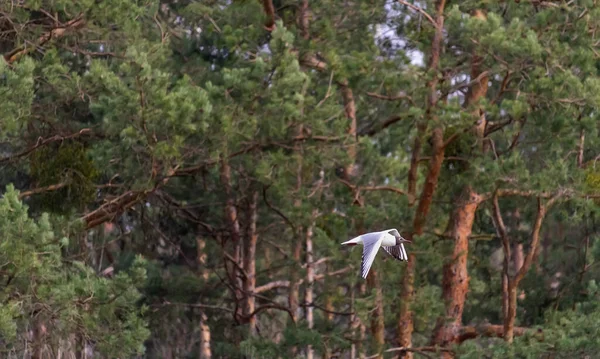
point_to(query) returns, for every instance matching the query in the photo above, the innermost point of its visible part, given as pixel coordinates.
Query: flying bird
(390, 240)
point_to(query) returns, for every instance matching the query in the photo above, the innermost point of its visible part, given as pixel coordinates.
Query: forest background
(177, 177)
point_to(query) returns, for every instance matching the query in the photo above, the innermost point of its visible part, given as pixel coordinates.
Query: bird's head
(400, 239)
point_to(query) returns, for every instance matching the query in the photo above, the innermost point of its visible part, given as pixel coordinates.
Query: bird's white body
(390, 240)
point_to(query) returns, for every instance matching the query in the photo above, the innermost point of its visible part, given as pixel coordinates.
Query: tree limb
(44, 141)
(378, 127)
(372, 188)
(400, 96)
(57, 32)
(535, 236)
(286, 283)
(487, 330)
(270, 12)
(421, 11)
(50, 188)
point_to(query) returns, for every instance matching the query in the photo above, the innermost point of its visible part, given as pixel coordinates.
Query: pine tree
(234, 145)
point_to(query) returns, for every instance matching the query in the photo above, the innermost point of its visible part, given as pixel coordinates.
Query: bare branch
(194, 305)
(109, 210)
(400, 96)
(274, 209)
(372, 188)
(44, 141)
(419, 350)
(286, 283)
(53, 187)
(421, 11)
(272, 285)
(378, 127)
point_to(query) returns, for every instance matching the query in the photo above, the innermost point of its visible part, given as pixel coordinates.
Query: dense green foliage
(48, 293)
(153, 140)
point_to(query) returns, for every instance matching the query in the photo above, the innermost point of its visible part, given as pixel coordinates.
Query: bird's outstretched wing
(397, 252)
(371, 244)
(403, 251)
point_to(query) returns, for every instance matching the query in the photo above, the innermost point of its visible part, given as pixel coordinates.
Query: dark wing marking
(394, 232)
(396, 252)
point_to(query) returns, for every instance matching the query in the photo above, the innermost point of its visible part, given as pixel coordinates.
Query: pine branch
(55, 33)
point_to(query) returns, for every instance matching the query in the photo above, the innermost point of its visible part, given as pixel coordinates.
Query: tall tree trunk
(39, 340)
(358, 328)
(250, 263)
(405, 316)
(350, 111)
(294, 292)
(204, 352)
(310, 278)
(513, 283)
(349, 171)
(377, 322)
(201, 257)
(477, 91)
(455, 283)
(435, 164)
(328, 315)
(580, 149)
(231, 217)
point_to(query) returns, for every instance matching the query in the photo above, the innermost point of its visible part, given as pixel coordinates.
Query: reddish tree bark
(435, 166)
(437, 157)
(270, 12)
(455, 283)
(405, 316)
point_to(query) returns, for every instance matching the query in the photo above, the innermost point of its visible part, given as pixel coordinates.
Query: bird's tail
(352, 242)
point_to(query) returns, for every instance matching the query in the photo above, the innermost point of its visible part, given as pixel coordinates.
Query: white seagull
(390, 240)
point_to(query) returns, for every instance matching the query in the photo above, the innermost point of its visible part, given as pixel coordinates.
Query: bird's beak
(407, 241)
